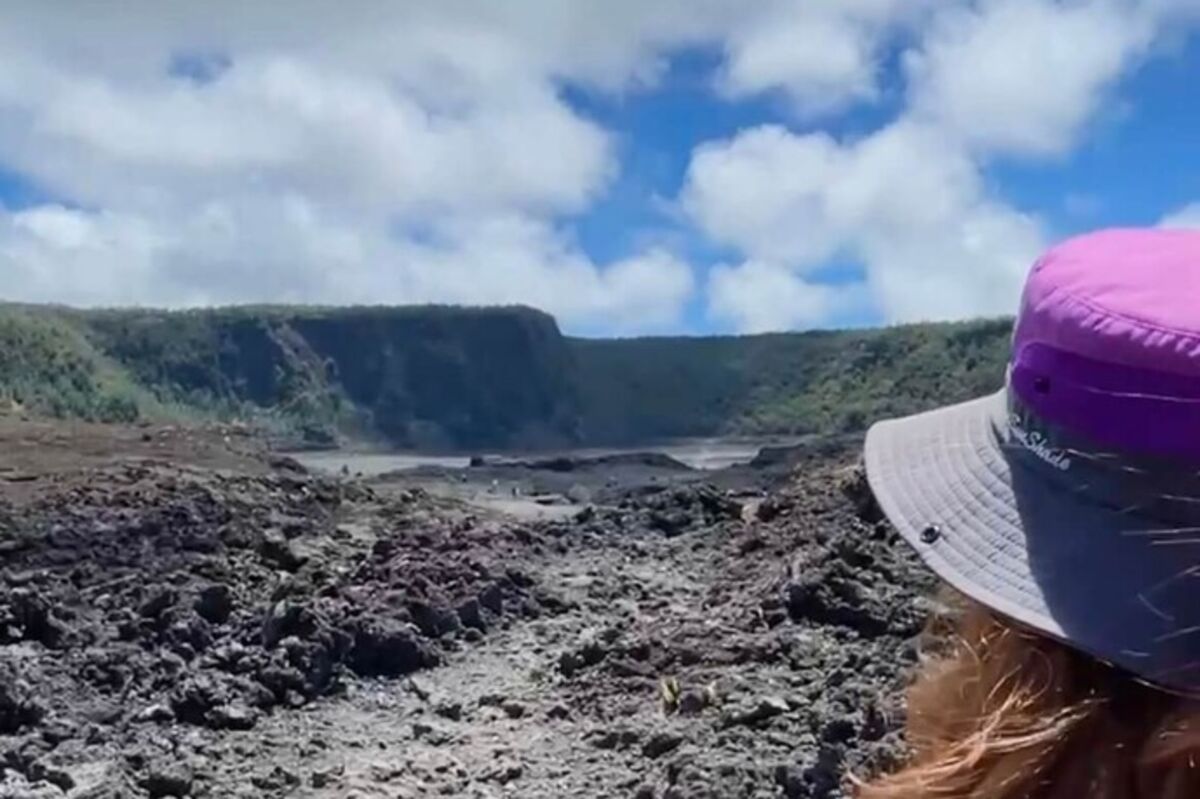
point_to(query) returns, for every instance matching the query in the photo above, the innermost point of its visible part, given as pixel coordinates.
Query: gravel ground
(233, 625)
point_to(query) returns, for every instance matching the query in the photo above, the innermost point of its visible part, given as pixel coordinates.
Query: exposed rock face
(434, 377)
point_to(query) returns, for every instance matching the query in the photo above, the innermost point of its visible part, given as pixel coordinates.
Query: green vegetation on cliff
(796, 383)
(439, 377)
(47, 366)
(418, 377)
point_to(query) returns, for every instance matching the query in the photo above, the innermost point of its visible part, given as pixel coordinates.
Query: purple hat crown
(1107, 342)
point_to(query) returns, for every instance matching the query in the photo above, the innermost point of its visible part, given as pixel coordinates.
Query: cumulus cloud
(760, 296)
(907, 202)
(387, 152)
(276, 123)
(1024, 76)
(910, 201)
(766, 193)
(249, 253)
(822, 54)
(406, 151)
(394, 151)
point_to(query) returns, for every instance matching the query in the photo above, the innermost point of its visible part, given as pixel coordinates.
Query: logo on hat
(1036, 443)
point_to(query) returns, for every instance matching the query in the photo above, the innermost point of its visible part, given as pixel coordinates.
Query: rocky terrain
(188, 616)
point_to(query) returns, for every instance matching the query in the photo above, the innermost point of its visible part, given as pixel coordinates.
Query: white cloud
(512, 259)
(382, 153)
(906, 202)
(277, 122)
(759, 297)
(935, 243)
(54, 254)
(1187, 217)
(910, 201)
(1024, 76)
(765, 192)
(249, 252)
(822, 54)
(406, 151)
(395, 151)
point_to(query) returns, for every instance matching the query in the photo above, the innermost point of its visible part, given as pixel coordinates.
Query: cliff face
(450, 378)
(413, 377)
(455, 378)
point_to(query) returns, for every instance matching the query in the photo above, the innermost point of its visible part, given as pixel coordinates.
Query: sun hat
(1070, 500)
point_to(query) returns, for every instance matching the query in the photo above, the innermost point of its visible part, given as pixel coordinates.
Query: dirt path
(658, 671)
(220, 630)
(499, 719)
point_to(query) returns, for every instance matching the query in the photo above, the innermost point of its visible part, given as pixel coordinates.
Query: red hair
(1003, 713)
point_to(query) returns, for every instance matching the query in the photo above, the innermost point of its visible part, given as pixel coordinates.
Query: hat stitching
(1188, 335)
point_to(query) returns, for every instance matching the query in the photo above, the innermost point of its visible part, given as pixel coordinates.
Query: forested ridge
(461, 378)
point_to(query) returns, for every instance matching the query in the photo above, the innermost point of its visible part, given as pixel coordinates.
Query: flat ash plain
(184, 614)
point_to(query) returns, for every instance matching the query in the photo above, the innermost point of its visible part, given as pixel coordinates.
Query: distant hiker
(1065, 513)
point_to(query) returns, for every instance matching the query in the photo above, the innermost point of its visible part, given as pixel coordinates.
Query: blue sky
(690, 167)
(18, 192)
(659, 129)
(1139, 161)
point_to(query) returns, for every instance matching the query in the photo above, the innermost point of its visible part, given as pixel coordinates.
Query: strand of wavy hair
(1001, 713)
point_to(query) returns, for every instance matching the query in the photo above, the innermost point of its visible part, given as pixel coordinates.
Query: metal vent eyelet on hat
(1041, 384)
(931, 533)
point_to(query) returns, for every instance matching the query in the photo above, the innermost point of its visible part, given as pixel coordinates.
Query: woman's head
(1068, 503)
(1001, 712)
(1070, 500)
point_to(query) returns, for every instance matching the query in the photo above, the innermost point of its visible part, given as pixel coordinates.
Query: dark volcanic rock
(671, 523)
(158, 601)
(232, 717)
(660, 743)
(845, 586)
(384, 647)
(643, 647)
(26, 615)
(653, 460)
(168, 780)
(18, 707)
(589, 653)
(145, 601)
(853, 483)
(756, 712)
(470, 614)
(277, 550)
(215, 603)
(492, 598)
